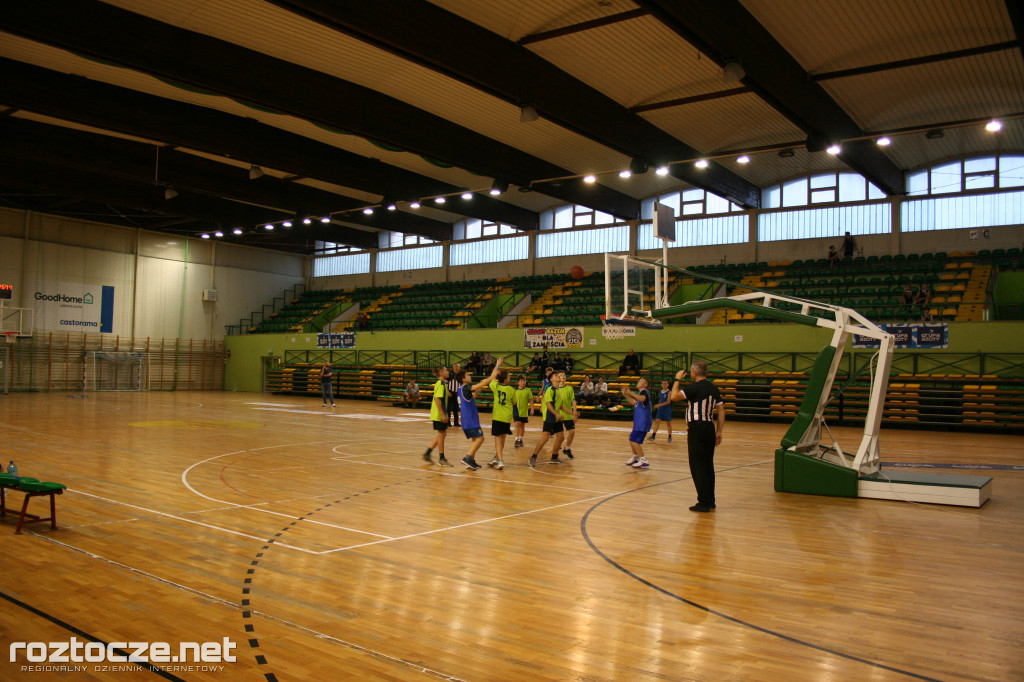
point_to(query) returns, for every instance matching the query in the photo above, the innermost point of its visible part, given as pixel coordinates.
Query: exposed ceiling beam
(725, 31)
(110, 107)
(145, 162)
(447, 43)
(211, 212)
(101, 31)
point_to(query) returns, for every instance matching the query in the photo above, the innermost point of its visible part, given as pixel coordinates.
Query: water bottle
(12, 468)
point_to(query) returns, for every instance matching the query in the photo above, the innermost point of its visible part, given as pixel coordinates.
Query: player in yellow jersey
(502, 414)
(565, 403)
(521, 409)
(439, 415)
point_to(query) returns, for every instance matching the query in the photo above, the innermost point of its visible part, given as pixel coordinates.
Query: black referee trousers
(700, 444)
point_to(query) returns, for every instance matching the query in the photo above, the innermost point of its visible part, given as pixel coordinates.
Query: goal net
(116, 371)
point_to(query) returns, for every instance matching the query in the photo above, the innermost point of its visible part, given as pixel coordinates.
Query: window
(394, 260)
(489, 251)
(825, 222)
(474, 228)
(965, 175)
(330, 266)
(820, 188)
(580, 242)
(972, 210)
(394, 240)
(324, 248)
(690, 201)
(727, 229)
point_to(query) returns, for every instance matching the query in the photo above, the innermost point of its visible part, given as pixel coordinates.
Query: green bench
(32, 487)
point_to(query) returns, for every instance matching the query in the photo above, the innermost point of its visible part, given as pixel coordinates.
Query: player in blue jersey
(470, 415)
(662, 411)
(641, 402)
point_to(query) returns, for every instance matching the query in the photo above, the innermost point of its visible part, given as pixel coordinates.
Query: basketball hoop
(11, 336)
(628, 321)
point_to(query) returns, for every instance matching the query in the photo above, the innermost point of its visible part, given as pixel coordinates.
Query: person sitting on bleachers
(558, 364)
(630, 364)
(924, 296)
(907, 299)
(567, 360)
(535, 364)
(486, 364)
(833, 256)
(412, 393)
(601, 398)
(586, 392)
(473, 364)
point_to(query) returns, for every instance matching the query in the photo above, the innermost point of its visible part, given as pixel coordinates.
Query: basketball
(577, 272)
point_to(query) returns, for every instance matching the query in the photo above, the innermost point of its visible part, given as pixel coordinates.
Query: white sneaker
(499, 466)
(632, 460)
(493, 462)
(642, 463)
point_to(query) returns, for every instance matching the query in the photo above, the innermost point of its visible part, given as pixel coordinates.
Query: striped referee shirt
(452, 384)
(703, 397)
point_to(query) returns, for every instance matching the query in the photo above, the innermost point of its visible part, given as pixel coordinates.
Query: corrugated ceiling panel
(735, 122)
(634, 62)
(915, 150)
(972, 87)
(843, 34)
(308, 44)
(514, 19)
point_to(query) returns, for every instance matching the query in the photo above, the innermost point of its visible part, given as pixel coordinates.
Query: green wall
(243, 368)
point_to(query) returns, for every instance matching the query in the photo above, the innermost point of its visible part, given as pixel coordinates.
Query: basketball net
(11, 336)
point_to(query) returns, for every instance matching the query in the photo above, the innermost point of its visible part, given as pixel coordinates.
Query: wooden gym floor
(320, 543)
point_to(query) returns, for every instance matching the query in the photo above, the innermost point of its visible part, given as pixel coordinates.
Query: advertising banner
(336, 340)
(75, 307)
(552, 337)
(934, 335)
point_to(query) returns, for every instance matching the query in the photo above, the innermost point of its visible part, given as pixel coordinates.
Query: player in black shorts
(705, 419)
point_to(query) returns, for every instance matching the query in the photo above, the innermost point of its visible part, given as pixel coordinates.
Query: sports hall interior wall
(1002, 237)
(243, 369)
(158, 278)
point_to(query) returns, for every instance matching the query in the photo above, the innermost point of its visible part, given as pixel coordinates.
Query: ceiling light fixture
(743, 159)
(170, 193)
(934, 135)
(367, 211)
(255, 172)
(661, 170)
(498, 186)
(528, 114)
(204, 235)
(590, 179)
(701, 163)
(787, 154)
(269, 226)
(325, 220)
(414, 204)
(883, 141)
(733, 72)
(625, 174)
(439, 200)
(237, 230)
(994, 126)
(218, 233)
(287, 223)
(834, 149)
(467, 195)
(307, 221)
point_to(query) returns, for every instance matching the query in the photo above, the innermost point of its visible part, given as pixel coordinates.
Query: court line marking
(184, 480)
(471, 523)
(234, 607)
(179, 518)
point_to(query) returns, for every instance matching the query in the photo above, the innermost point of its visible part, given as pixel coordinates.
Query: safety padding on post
(809, 406)
(796, 472)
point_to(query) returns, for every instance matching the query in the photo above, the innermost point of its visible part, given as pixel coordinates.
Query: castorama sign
(71, 307)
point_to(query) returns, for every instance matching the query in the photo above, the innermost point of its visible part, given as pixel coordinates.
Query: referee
(705, 419)
(452, 408)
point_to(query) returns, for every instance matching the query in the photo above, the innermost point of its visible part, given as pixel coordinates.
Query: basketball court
(322, 546)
